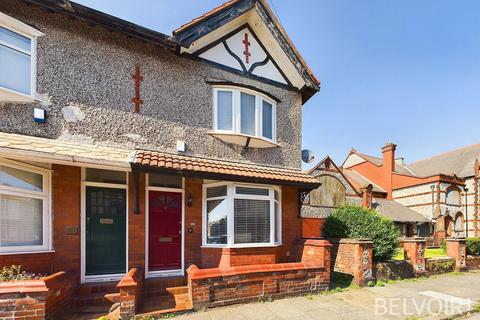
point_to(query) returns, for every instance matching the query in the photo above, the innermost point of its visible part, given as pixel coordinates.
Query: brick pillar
(130, 288)
(457, 249)
(362, 268)
(414, 251)
(475, 204)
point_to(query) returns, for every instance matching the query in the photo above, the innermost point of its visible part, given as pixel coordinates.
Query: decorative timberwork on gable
(243, 51)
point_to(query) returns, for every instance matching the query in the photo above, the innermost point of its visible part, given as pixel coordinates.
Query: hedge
(350, 221)
(473, 246)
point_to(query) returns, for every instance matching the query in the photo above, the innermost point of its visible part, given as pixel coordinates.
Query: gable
(272, 57)
(243, 51)
(353, 160)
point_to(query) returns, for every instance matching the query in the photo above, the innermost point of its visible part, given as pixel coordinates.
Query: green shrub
(15, 272)
(473, 246)
(443, 245)
(350, 221)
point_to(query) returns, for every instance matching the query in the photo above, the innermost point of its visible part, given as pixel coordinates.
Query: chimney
(388, 151)
(367, 196)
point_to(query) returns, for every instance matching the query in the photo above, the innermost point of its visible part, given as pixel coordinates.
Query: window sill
(242, 246)
(244, 140)
(3, 253)
(7, 95)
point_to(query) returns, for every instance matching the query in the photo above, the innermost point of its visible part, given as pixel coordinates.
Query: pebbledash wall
(84, 75)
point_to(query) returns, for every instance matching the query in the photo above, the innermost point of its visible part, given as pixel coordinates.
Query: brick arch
(453, 195)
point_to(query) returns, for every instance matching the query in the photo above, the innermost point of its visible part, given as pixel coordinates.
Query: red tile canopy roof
(222, 170)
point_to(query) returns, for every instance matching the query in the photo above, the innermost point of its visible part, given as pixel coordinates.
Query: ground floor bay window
(24, 208)
(240, 215)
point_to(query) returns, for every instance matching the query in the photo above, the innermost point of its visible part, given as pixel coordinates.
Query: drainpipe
(466, 211)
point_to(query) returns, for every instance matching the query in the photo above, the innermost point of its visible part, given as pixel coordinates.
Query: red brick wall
(193, 220)
(312, 227)
(291, 224)
(66, 198)
(38, 263)
(136, 224)
(354, 257)
(229, 257)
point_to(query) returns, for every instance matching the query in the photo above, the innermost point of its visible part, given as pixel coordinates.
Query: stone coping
(131, 279)
(30, 286)
(350, 240)
(194, 273)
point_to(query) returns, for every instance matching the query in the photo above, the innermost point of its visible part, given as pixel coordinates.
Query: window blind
(267, 119)
(247, 113)
(21, 221)
(251, 221)
(224, 110)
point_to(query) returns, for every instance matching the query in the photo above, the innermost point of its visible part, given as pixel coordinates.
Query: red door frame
(153, 273)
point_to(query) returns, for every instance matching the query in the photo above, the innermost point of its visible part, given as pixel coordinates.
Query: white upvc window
(244, 112)
(241, 215)
(25, 222)
(18, 42)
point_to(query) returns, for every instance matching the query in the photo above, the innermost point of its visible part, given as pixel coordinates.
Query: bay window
(17, 59)
(24, 208)
(244, 112)
(237, 215)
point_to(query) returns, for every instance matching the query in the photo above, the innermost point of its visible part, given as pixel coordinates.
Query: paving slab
(426, 299)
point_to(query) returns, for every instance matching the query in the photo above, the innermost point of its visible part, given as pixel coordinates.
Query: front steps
(94, 300)
(158, 302)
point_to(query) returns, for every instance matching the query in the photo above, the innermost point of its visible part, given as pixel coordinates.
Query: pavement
(433, 298)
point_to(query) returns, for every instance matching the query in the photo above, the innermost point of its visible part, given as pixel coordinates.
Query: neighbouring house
(339, 186)
(122, 148)
(443, 188)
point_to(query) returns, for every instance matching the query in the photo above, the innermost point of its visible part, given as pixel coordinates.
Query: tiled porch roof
(218, 169)
(42, 149)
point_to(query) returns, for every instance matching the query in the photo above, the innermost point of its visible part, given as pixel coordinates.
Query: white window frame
(44, 195)
(25, 30)
(236, 112)
(231, 196)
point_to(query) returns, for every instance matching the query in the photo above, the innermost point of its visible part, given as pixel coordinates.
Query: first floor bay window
(24, 208)
(237, 215)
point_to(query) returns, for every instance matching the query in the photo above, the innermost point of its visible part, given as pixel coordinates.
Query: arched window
(458, 222)
(452, 197)
(330, 194)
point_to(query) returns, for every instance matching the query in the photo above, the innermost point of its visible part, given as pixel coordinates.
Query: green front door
(105, 231)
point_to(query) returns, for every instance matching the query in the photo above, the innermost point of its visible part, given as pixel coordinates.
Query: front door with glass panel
(106, 215)
(164, 230)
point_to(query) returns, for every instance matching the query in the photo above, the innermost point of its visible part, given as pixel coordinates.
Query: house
(122, 148)
(340, 186)
(443, 188)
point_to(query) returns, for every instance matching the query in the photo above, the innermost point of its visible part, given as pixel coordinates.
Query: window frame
(236, 112)
(27, 31)
(44, 195)
(230, 198)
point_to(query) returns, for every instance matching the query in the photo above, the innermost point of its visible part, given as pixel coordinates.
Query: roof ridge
(445, 153)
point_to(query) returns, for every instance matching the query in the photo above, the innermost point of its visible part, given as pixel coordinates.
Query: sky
(406, 72)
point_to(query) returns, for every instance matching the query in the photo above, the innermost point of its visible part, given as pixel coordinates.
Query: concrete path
(432, 298)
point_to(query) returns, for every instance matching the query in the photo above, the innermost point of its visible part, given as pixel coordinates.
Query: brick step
(161, 292)
(161, 305)
(94, 299)
(163, 283)
(112, 297)
(92, 288)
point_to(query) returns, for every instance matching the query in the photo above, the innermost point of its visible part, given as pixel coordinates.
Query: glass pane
(106, 176)
(214, 192)
(21, 179)
(14, 39)
(267, 119)
(224, 110)
(164, 180)
(247, 116)
(15, 70)
(217, 221)
(278, 223)
(21, 221)
(252, 221)
(252, 191)
(277, 195)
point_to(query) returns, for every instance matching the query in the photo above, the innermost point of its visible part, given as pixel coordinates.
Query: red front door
(164, 230)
